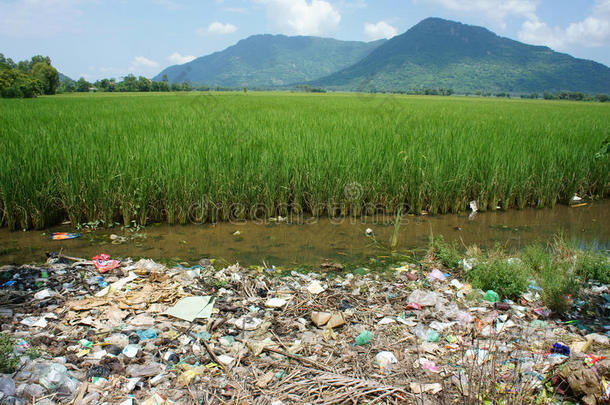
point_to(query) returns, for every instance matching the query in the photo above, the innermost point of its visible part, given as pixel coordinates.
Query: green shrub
(8, 361)
(557, 283)
(447, 253)
(553, 273)
(507, 279)
(593, 266)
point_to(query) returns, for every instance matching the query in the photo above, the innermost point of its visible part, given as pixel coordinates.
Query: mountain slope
(441, 53)
(271, 60)
(63, 78)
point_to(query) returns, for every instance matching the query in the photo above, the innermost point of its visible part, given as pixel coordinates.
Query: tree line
(27, 78)
(130, 83)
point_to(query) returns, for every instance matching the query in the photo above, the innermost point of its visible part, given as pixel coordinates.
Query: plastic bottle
(53, 376)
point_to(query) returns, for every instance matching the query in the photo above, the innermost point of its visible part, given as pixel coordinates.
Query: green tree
(129, 83)
(67, 86)
(82, 86)
(14, 83)
(144, 84)
(105, 85)
(6, 63)
(47, 75)
(162, 86)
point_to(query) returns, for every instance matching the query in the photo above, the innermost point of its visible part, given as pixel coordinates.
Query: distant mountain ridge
(440, 53)
(270, 61)
(435, 53)
(63, 78)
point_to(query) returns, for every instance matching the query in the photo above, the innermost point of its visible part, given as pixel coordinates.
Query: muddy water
(312, 242)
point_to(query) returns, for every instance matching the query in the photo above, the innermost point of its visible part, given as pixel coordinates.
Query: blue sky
(111, 38)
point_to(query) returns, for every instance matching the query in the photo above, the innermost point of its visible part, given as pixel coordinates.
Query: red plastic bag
(103, 263)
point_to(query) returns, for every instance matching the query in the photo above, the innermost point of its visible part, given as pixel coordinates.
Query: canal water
(310, 242)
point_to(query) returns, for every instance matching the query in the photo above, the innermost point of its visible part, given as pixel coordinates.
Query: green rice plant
(206, 157)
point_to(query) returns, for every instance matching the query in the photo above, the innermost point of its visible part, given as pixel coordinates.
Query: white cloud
(533, 31)
(217, 28)
(177, 59)
(593, 31)
(496, 10)
(302, 17)
(142, 65)
(380, 30)
(39, 18)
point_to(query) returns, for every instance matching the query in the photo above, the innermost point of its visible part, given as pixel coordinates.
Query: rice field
(206, 157)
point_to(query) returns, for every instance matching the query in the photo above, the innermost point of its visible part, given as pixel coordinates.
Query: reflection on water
(316, 241)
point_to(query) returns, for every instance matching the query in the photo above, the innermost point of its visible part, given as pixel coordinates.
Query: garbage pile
(142, 333)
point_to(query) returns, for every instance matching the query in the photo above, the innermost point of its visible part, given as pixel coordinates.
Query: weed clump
(508, 278)
(554, 276)
(447, 253)
(593, 266)
(8, 361)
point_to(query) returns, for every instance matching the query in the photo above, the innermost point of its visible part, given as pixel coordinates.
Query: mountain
(271, 60)
(439, 53)
(64, 78)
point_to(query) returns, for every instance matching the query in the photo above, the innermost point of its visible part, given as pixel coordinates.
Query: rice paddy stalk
(152, 158)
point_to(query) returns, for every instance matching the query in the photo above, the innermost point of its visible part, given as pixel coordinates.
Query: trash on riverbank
(158, 335)
(64, 235)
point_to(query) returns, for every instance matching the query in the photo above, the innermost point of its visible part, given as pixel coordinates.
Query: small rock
(320, 318)
(336, 320)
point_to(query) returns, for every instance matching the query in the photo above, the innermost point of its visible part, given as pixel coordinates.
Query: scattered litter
(64, 235)
(436, 275)
(491, 296)
(432, 389)
(103, 263)
(191, 308)
(364, 338)
(154, 337)
(276, 303)
(315, 287)
(385, 361)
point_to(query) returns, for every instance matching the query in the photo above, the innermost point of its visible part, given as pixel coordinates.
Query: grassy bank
(201, 157)
(558, 270)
